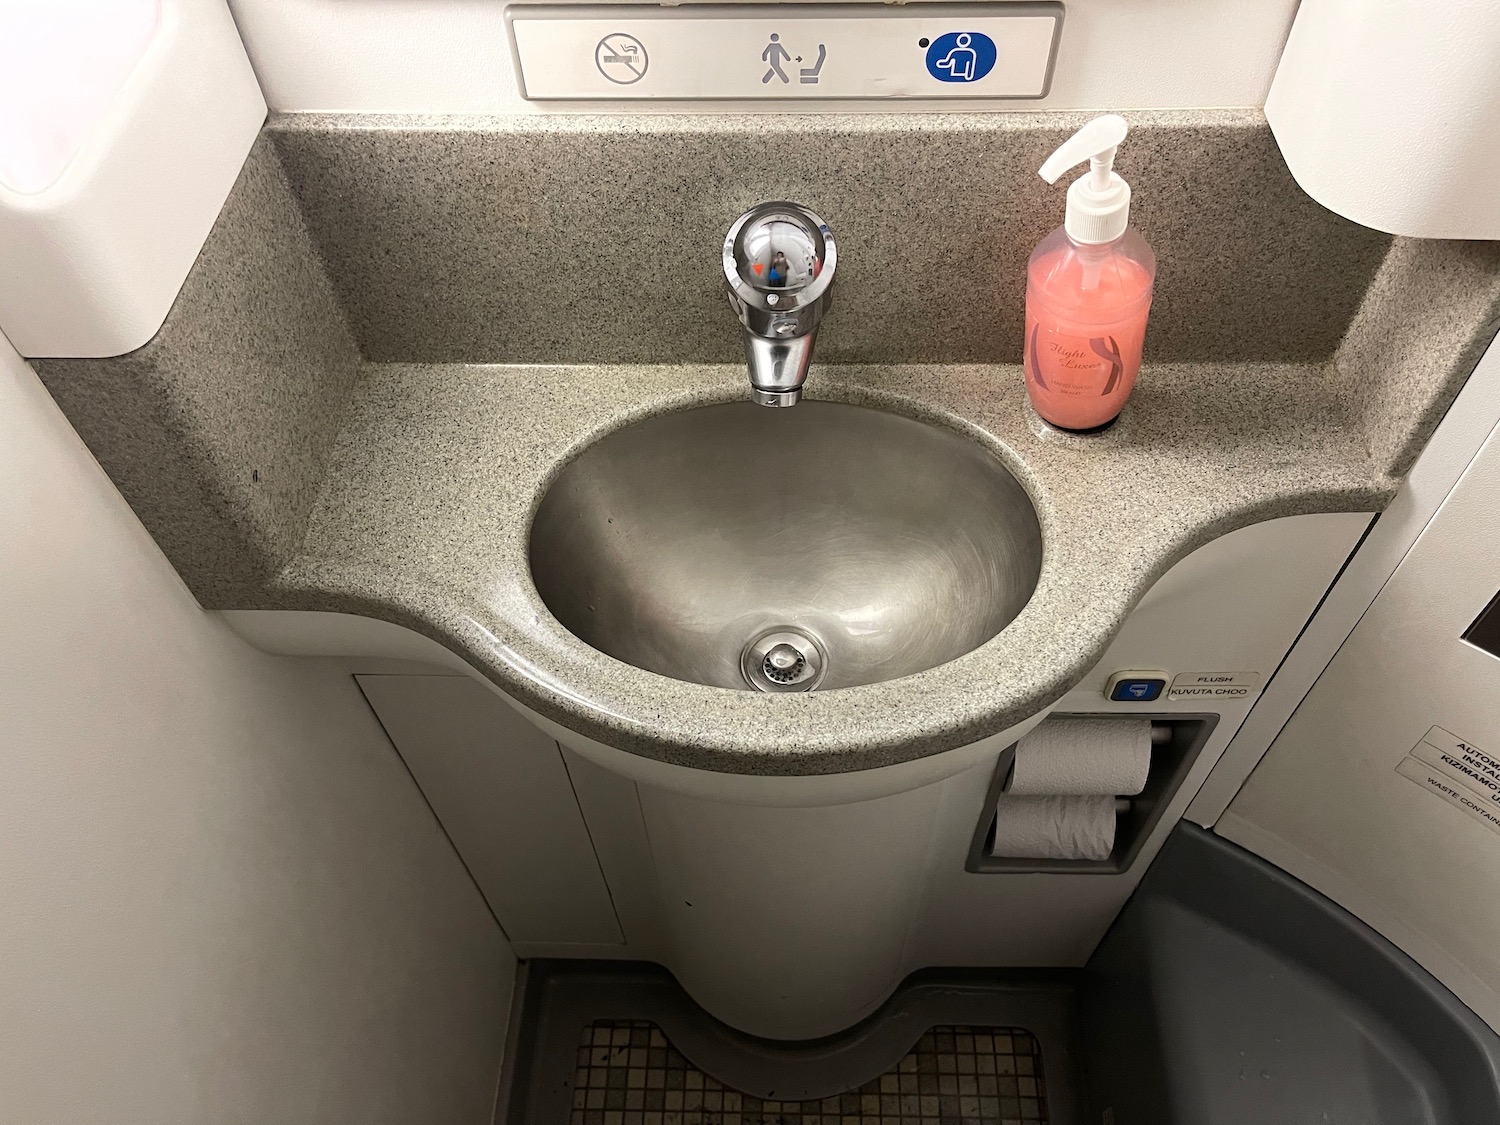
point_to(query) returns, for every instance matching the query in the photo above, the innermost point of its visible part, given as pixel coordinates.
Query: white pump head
(1098, 201)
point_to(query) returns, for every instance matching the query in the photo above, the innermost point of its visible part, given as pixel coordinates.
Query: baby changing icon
(961, 56)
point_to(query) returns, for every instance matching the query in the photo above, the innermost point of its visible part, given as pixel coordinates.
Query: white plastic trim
(1385, 113)
(61, 65)
(90, 265)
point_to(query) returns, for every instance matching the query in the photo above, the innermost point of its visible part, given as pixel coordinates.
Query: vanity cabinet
(501, 790)
(791, 906)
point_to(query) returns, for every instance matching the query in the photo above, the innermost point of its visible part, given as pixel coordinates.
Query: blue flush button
(961, 56)
(1136, 687)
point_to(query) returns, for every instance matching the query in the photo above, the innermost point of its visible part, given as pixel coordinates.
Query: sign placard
(785, 51)
(1214, 685)
(1459, 772)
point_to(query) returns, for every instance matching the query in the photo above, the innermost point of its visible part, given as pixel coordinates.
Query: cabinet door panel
(501, 790)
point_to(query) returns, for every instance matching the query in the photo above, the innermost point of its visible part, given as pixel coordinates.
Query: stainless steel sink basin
(819, 547)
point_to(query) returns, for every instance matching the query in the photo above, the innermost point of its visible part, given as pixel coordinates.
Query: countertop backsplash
(596, 239)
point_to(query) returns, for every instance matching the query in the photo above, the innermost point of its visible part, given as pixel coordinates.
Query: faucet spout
(778, 368)
(779, 260)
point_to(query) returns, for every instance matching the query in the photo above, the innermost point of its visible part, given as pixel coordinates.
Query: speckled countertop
(427, 503)
(355, 404)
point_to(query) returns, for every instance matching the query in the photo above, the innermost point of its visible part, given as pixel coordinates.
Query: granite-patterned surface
(584, 239)
(1430, 314)
(557, 239)
(425, 517)
(215, 431)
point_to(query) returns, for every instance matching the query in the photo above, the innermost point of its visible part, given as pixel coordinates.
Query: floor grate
(629, 1074)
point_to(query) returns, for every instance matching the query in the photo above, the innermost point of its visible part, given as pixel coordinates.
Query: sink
(823, 546)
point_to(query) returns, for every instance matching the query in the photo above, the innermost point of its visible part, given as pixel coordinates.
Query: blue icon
(961, 56)
(1137, 691)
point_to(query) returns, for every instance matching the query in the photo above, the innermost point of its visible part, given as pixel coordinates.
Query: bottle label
(1079, 380)
(1081, 366)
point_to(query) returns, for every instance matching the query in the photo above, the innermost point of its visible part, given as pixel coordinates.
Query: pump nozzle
(1099, 201)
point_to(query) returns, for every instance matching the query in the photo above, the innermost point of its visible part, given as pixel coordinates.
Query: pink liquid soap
(1088, 290)
(1086, 309)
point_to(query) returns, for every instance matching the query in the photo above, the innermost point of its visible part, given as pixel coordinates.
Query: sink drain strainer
(783, 659)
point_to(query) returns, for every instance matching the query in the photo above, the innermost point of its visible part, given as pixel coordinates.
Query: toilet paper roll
(1083, 757)
(1054, 828)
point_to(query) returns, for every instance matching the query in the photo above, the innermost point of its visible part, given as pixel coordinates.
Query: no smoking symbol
(621, 58)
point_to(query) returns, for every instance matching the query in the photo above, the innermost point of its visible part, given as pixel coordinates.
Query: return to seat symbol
(776, 54)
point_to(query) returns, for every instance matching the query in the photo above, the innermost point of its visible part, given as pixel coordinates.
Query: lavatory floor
(621, 1043)
(628, 1073)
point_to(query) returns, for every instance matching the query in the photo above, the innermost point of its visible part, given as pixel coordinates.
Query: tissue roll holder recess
(1172, 756)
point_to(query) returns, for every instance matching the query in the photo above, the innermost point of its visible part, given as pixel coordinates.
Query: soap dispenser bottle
(1088, 290)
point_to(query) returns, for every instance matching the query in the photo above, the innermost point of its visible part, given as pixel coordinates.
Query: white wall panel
(223, 897)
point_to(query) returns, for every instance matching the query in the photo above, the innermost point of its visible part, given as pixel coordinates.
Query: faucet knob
(779, 249)
(779, 261)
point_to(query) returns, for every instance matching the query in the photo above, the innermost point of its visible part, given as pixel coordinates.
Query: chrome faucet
(778, 265)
